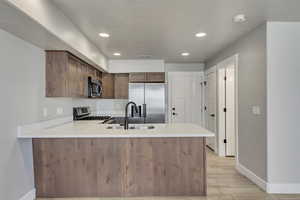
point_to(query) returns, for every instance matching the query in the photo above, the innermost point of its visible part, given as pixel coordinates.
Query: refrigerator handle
(140, 111)
(144, 110)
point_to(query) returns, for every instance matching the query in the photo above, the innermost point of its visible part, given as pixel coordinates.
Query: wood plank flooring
(224, 183)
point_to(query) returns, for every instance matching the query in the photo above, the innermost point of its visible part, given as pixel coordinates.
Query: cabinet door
(83, 80)
(121, 86)
(72, 70)
(76, 77)
(99, 75)
(155, 77)
(137, 77)
(108, 86)
(56, 74)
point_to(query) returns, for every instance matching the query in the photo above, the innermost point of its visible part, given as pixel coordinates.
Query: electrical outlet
(45, 112)
(59, 111)
(256, 110)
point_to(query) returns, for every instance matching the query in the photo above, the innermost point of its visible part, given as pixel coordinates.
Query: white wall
(252, 84)
(22, 86)
(126, 66)
(283, 99)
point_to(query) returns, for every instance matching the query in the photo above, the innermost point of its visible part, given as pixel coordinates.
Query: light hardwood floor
(224, 183)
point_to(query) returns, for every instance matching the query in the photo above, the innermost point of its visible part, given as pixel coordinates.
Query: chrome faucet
(126, 121)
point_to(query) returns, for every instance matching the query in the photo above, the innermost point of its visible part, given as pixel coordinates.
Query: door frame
(221, 149)
(212, 69)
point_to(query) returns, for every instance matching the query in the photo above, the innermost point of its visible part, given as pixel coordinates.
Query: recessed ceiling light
(185, 54)
(201, 34)
(117, 54)
(104, 35)
(239, 18)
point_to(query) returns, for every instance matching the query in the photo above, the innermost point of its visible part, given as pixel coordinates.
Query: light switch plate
(256, 110)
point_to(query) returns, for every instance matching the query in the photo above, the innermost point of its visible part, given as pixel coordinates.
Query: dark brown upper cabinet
(108, 84)
(67, 75)
(137, 77)
(121, 86)
(115, 86)
(155, 77)
(148, 77)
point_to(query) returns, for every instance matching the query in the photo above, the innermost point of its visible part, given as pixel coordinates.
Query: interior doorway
(227, 107)
(210, 105)
(185, 100)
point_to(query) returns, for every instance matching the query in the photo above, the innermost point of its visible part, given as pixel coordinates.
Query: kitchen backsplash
(112, 107)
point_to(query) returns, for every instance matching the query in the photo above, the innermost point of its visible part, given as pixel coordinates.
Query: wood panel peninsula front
(85, 159)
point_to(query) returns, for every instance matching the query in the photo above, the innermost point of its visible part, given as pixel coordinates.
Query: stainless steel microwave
(95, 88)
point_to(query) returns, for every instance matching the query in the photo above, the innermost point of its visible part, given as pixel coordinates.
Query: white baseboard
(31, 195)
(283, 188)
(271, 188)
(253, 177)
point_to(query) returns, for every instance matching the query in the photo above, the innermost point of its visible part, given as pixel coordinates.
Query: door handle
(212, 115)
(174, 114)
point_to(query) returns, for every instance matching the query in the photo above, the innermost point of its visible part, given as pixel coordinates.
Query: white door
(221, 111)
(185, 97)
(197, 94)
(210, 106)
(226, 104)
(230, 110)
(202, 92)
(177, 87)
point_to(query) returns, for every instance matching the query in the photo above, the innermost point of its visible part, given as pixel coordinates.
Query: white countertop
(95, 129)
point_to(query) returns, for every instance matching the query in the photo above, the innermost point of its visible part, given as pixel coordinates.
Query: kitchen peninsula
(90, 159)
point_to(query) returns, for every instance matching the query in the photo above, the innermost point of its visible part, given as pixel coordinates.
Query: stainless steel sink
(114, 127)
(133, 127)
(142, 127)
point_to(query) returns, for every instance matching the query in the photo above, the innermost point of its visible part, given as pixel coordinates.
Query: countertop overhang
(95, 129)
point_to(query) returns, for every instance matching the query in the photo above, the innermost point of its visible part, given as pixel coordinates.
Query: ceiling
(163, 29)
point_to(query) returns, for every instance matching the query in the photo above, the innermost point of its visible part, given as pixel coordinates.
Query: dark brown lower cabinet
(119, 167)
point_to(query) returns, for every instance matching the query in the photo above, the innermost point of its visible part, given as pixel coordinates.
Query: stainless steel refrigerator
(150, 97)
